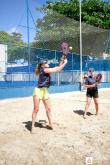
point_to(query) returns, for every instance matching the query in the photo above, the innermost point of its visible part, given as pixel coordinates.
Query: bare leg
(88, 102)
(96, 105)
(36, 102)
(48, 111)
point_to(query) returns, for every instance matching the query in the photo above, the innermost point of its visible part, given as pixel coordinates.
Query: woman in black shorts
(92, 91)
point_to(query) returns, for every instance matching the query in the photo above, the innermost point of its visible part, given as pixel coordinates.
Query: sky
(13, 14)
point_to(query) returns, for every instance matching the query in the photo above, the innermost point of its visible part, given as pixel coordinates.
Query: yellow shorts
(42, 93)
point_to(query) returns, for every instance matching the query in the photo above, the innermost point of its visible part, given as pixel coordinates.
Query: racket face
(65, 48)
(99, 77)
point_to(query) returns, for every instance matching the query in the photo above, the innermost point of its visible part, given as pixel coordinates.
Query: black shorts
(92, 93)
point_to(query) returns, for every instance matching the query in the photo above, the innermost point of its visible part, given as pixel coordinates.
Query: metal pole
(28, 36)
(80, 46)
(109, 42)
(58, 78)
(72, 61)
(56, 74)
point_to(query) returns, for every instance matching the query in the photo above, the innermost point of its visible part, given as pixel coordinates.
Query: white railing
(62, 77)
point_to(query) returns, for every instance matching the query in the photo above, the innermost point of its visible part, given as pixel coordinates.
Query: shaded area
(81, 112)
(40, 124)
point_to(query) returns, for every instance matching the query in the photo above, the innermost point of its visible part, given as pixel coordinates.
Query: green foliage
(17, 53)
(13, 38)
(61, 23)
(15, 44)
(94, 12)
(4, 37)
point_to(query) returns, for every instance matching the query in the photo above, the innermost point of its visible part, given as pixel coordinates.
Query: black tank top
(44, 79)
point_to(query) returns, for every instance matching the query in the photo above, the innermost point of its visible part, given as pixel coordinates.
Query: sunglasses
(91, 70)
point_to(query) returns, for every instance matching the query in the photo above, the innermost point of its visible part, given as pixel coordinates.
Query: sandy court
(72, 140)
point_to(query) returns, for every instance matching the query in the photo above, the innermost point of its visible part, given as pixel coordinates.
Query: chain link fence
(18, 59)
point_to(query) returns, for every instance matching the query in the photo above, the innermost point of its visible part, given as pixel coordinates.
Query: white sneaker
(85, 116)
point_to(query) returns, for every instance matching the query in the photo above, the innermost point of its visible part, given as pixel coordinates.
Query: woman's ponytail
(37, 70)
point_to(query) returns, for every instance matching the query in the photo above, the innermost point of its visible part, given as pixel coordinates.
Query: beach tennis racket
(98, 77)
(65, 49)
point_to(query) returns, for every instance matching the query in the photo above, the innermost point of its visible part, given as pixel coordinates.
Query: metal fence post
(80, 47)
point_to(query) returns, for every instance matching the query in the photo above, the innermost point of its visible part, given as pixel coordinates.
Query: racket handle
(62, 59)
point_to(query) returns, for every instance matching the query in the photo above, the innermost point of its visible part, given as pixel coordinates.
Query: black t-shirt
(90, 81)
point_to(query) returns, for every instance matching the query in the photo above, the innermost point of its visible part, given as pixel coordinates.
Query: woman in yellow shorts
(41, 91)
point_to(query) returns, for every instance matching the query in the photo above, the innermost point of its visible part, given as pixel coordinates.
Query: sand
(72, 140)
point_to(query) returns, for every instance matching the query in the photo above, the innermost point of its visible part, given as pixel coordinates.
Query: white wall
(3, 60)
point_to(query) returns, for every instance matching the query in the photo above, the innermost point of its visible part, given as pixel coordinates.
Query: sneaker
(49, 127)
(85, 116)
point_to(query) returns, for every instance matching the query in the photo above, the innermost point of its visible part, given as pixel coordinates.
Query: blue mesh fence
(17, 67)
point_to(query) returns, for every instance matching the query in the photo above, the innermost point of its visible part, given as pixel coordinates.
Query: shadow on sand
(39, 124)
(81, 112)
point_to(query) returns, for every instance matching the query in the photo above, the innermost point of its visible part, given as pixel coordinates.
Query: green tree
(17, 38)
(16, 47)
(94, 12)
(4, 37)
(61, 23)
